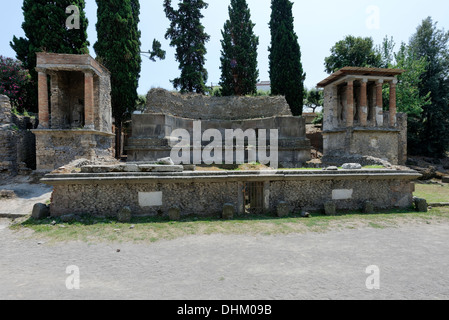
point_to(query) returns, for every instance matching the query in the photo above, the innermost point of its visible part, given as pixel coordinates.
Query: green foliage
(141, 103)
(432, 44)
(353, 52)
(45, 30)
(239, 73)
(286, 72)
(118, 49)
(157, 51)
(319, 118)
(187, 35)
(313, 99)
(13, 82)
(408, 94)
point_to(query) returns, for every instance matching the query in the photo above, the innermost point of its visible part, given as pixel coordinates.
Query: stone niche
(167, 112)
(356, 123)
(75, 115)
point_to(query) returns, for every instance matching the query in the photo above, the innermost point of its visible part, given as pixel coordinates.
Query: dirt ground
(413, 261)
(27, 195)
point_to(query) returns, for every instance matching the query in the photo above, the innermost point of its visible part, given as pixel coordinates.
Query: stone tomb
(167, 112)
(355, 123)
(75, 115)
(105, 191)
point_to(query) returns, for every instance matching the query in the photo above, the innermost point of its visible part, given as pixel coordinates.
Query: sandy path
(413, 262)
(27, 196)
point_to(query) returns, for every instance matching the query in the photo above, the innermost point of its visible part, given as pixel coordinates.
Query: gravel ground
(27, 195)
(413, 261)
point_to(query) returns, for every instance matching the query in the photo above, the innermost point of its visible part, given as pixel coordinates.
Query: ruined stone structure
(355, 123)
(157, 190)
(7, 142)
(75, 115)
(17, 143)
(167, 112)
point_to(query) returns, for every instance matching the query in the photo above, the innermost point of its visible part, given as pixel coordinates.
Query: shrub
(13, 80)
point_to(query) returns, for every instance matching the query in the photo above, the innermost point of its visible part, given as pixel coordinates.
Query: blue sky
(318, 24)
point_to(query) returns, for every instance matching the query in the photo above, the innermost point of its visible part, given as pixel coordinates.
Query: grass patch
(433, 193)
(148, 230)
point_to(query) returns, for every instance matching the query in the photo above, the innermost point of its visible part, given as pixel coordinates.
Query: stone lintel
(67, 131)
(362, 78)
(228, 176)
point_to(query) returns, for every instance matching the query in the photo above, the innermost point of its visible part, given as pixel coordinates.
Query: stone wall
(151, 135)
(196, 106)
(206, 193)
(389, 144)
(17, 143)
(56, 148)
(7, 137)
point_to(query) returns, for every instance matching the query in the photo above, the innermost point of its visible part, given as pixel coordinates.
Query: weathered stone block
(124, 215)
(174, 213)
(421, 205)
(330, 208)
(352, 166)
(40, 211)
(166, 161)
(7, 194)
(228, 211)
(283, 209)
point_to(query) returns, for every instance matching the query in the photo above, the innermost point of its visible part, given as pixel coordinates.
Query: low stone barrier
(207, 193)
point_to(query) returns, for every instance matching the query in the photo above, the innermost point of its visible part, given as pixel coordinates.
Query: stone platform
(196, 193)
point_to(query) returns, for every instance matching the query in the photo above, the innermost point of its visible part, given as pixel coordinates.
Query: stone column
(364, 103)
(350, 103)
(393, 110)
(89, 100)
(379, 103)
(44, 116)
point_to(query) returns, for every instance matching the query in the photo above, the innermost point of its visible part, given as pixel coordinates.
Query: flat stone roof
(69, 62)
(356, 71)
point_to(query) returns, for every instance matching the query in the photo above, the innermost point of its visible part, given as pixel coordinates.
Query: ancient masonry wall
(17, 143)
(200, 107)
(205, 194)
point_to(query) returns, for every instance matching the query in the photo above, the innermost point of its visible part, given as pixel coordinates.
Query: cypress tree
(239, 73)
(187, 35)
(118, 49)
(45, 30)
(286, 72)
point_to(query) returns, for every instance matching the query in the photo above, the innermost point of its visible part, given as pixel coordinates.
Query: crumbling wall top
(197, 106)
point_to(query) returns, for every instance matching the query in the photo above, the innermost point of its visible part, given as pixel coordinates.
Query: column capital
(364, 80)
(89, 72)
(41, 70)
(350, 80)
(380, 81)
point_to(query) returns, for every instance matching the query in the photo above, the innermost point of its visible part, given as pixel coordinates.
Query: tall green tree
(187, 35)
(410, 99)
(286, 72)
(353, 52)
(432, 44)
(118, 49)
(46, 29)
(239, 73)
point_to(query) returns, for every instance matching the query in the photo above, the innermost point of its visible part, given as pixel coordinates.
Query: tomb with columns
(75, 115)
(357, 124)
